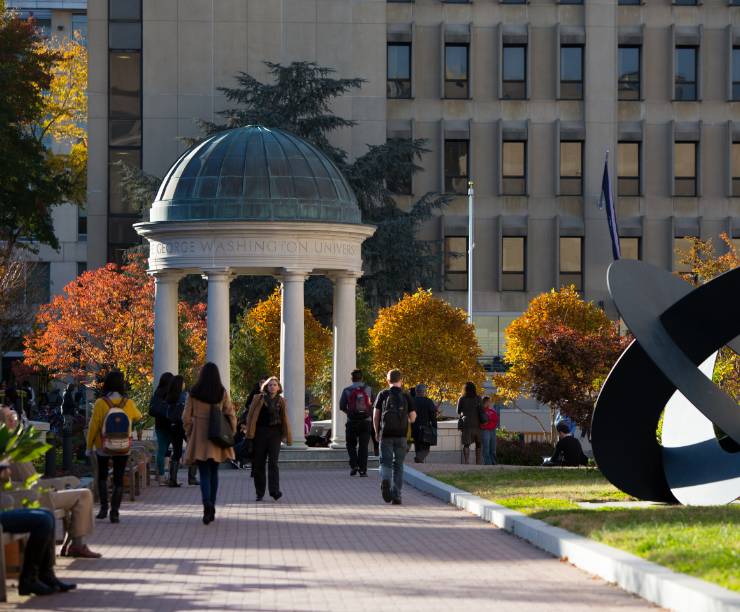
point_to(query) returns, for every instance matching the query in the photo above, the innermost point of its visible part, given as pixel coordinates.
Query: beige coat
(195, 418)
(254, 414)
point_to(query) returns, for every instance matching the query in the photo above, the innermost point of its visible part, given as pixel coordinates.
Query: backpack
(116, 429)
(175, 410)
(394, 418)
(358, 405)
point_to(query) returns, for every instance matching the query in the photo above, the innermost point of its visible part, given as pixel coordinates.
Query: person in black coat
(568, 451)
(426, 423)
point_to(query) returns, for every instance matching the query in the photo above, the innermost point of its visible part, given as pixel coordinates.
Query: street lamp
(471, 246)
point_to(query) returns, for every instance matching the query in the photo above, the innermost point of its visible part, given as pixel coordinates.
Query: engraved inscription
(254, 246)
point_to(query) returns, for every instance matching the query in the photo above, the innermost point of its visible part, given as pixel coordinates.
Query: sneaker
(385, 490)
(396, 501)
(353, 471)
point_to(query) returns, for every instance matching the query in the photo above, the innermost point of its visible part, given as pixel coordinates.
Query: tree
(299, 99)
(704, 265)
(264, 319)
(16, 312)
(430, 341)
(104, 320)
(559, 351)
(248, 359)
(32, 185)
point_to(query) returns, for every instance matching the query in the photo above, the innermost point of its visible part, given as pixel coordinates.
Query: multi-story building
(52, 270)
(523, 98)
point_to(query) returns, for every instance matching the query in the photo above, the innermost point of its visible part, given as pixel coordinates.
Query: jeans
(163, 443)
(208, 471)
(358, 432)
(488, 437)
(392, 454)
(39, 551)
(266, 450)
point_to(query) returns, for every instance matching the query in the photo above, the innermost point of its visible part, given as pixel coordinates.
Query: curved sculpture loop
(678, 330)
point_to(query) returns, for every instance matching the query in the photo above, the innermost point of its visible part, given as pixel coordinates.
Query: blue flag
(611, 215)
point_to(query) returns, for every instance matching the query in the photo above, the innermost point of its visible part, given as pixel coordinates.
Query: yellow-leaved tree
(264, 318)
(430, 341)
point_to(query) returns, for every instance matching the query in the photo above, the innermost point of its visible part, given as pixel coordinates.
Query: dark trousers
(358, 432)
(208, 471)
(177, 437)
(119, 467)
(39, 552)
(266, 450)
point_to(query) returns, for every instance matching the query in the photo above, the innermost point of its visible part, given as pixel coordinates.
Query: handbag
(219, 428)
(461, 422)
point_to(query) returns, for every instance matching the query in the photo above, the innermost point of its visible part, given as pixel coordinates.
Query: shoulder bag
(219, 428)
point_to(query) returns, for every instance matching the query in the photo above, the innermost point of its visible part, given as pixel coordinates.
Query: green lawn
(703, 542)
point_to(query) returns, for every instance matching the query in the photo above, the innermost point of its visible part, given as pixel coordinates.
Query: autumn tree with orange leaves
(104, 320)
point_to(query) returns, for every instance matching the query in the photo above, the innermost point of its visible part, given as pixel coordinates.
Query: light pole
(471, 246)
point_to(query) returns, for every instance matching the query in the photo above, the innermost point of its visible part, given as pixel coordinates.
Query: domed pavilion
(257, 201)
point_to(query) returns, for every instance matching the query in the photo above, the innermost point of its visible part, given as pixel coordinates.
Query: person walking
(175, 398)
(392, 413)
(424, 428)
(109, 436)
(268, 425)
(207, 394)
(162, 429)
(488, 432)
(356, 404)
(469, 407)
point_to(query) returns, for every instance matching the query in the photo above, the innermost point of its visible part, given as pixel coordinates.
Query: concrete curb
(650, 581)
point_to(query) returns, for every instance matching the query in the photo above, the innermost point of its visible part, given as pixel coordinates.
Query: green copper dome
(255, 174)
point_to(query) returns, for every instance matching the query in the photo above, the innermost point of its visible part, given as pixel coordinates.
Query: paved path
(329, 544)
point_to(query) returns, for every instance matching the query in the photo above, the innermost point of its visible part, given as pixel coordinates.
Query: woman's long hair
(208, 387)
(114, 383)
(175, 389)
(164, 384)
(265, 384)
(469, 390)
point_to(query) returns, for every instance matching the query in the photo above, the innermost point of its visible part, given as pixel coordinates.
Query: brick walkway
(329, 544)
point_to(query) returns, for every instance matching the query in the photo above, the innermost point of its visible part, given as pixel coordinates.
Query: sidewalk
(329, 544)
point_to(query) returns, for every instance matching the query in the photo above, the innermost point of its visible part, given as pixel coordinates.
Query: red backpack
(358, 404)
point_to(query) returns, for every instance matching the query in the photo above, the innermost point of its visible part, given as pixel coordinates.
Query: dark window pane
(685, 2)
(685, 187)
(629, 73)
(125, 86)
(514, 90)
(686, 73)
(124, 133)
(399, 61)
(630, 2)
(398, 89)
(124, 9)
(513, 1)
(456, 166)
(512, 281)
(79, 26)
(116, 204)
(81, 224)
(124, 35)
(571, 63)
(736, 160)
(514, 63)
(628, 186)
(38, 282)
(567, 279)
(456, 71)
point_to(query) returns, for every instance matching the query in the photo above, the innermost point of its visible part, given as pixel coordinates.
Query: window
(126, 10)
(736, 73)
(686, 69)
(736, 169)
(81, 224)
(79, 26)
(685, 2)
(628, 169)
(456, 263)
(571, 168)
(514, 168)
(513, 1)
(514, 72)
(457, 168)
(684, 168)
(81, 267)
(38, 282)
(513, 258)
(630, 2)
(571, 262)
(398, 180)
(736, 243)
(571, 72)
(125, 85)
(681, 247)
(399, 70)
(630, 248)
(456, 71)
(629, 73)
(130, 157)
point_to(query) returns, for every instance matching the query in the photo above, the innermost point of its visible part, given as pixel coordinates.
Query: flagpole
(471, 246)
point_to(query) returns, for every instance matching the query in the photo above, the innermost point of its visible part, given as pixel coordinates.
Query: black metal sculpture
(677, 328)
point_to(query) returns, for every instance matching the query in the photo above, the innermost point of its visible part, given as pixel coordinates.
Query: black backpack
(394, 418)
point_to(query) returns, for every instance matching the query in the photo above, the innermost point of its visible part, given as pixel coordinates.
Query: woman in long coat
(207, 391)
(469, 406)
(267, 426)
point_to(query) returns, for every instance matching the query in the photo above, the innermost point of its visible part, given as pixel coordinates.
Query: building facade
(523, 98)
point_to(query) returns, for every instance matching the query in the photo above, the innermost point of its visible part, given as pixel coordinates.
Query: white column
(292, 351)
(345, 350)
(165, 322)
(217, 347)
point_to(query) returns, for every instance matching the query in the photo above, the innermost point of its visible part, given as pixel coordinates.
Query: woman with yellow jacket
(109, 435)
(208, 391)
(267, 425)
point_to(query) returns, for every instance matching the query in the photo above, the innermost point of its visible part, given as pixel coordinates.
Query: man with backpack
(355, 403)
(393, 411)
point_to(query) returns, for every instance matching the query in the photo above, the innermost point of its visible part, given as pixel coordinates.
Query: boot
(30, 584)
(477, 455)
(103, 494)
(115, 504)
(174, 466)
(466, 455)
(192, 480)
(209, 513)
